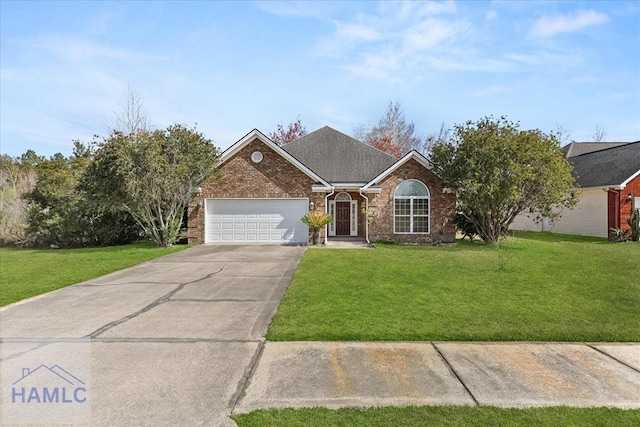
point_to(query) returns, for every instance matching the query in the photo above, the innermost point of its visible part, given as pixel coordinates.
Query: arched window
(411, 208)
(343, 197)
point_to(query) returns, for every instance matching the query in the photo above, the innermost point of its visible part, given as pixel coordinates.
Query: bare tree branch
(133, 117)
(599, 135)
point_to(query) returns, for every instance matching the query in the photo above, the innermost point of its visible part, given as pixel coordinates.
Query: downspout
(618, 209)
(366, 216)
(326, 209)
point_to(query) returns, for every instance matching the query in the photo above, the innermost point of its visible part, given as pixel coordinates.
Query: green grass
(28, 272)
(539, 287)
(460, 416)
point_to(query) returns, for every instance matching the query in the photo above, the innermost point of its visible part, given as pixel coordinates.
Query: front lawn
(28, 272)
(540, 287)
(461, 416)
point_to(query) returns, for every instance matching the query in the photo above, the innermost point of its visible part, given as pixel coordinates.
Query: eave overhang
(410, 155)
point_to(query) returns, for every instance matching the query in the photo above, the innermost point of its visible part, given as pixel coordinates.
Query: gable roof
(611, 167)
(338, 157)
(579, 148)
(256, 134)
(413, 154)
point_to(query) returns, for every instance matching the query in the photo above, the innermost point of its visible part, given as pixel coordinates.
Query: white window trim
(411, 215)
(353, 218)
(332, 212)
(342, 197)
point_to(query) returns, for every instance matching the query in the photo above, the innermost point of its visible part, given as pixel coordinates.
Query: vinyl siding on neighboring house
(607, 177)
(526, 222)
(588, 218)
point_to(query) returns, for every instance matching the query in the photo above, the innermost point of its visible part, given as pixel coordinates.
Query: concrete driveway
(170, 342)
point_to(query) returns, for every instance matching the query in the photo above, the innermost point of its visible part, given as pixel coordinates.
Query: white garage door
(256, 221)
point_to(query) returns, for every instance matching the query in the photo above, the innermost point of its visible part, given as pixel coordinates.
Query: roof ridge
(621, 145)
(348, 136)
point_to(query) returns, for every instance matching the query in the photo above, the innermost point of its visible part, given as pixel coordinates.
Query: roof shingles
(339, 158)
(578, 148)
(607, 168)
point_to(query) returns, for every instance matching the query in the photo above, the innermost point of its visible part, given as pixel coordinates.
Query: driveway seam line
(172, 340)
(453, 371)
(148, 307)
(13, 356)
(612, 357)
(214, 300)
(98, 285)
(246, 379)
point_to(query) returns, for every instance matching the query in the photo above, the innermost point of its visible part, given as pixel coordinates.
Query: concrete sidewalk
(338, 374)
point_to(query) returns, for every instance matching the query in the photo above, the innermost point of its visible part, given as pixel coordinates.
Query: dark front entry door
(342, 218)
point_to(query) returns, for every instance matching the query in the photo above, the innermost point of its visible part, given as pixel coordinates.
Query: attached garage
(241, 221)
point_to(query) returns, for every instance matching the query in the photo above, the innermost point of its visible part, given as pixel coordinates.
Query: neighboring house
(264, 190)
(577, 148)
(609, 180)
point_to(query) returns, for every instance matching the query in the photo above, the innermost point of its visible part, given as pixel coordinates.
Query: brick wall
(442, 207)
(626, 206)
(273, 177)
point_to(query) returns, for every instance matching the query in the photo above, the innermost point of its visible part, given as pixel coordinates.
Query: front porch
(345, 242)
(345, 207)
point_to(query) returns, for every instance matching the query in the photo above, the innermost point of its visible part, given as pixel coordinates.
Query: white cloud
(79, 49)
(561, 59)
(462, 63)
(488, 91)
(301, 9)
(356, 32)
(550, 26)
(431, 34)
(416, 10)
(392, 42)
(435, 8)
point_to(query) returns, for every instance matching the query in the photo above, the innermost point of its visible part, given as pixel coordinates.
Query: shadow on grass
(545, 236)
(98, 249)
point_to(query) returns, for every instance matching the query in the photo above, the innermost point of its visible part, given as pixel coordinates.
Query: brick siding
(626, 206)
(275, 177)
(442, 207)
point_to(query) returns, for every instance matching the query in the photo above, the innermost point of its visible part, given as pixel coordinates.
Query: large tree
(393, 132)
(63, 214)
(283, 136)
(499, 171)
(152, 175)
(386, 144)
(16, 180)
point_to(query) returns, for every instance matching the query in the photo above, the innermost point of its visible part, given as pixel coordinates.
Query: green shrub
(634, 223)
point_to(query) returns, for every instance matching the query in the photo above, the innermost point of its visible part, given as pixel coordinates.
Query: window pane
(420, 224)
(412, 188)
(421, 206)
(403, 206)
(403, 224)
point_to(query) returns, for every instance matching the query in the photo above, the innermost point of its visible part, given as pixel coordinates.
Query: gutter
(366, 216)
(326, 209)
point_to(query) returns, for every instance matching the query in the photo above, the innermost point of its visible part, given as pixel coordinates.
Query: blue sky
(229, 67)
